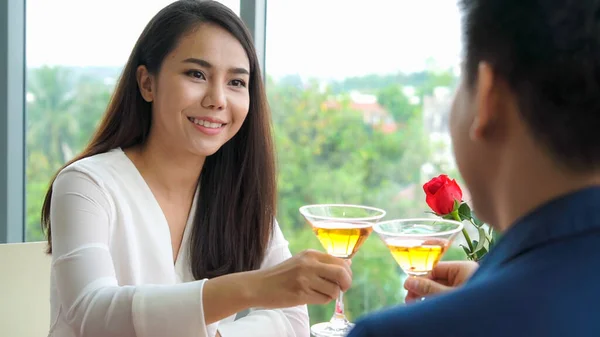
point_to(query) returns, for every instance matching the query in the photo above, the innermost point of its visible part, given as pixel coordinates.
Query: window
(73, 61)
(355, 90)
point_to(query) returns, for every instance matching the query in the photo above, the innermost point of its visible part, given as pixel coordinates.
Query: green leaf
(466, 249)
(494, 238)
(480, 253)
(489, 238)
(476, 220)
(464, 211)
(471, 256)
(482, 238)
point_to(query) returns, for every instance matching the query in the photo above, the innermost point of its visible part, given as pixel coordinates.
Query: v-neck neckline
(183, 246)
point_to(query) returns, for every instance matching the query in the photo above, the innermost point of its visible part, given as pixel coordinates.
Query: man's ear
(486, 101)
(145, 83)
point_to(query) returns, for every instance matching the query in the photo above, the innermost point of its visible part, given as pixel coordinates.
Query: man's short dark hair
(548, 51)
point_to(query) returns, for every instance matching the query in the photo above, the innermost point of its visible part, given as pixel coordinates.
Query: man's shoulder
(443, 315)
(515, 299)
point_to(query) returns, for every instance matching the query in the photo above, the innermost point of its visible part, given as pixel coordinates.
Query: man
(525, 126)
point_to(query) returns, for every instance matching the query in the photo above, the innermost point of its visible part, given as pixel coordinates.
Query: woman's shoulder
(278, 238)
(111, 161)
(101, 168)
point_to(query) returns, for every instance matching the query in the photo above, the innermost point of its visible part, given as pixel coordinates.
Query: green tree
(327, 154)
(437, 79)
(62, 113)
(425, 81)
(51, 124)
(393, 99)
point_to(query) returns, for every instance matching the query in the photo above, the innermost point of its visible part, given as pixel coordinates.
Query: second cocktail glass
(417, 245)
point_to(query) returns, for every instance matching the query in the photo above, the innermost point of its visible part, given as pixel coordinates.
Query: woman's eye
(196, 74)
(238, 83)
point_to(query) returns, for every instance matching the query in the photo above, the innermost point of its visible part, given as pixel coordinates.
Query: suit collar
(570, 215)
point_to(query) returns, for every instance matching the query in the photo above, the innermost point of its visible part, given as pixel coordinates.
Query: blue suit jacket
(541, 279)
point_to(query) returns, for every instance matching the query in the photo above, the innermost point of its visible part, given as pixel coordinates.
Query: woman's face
(200, 96)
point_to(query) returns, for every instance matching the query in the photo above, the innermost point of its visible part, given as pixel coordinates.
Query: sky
(330, 39)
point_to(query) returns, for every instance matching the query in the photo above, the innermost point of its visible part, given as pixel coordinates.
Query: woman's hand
(310, 277)
(444, 277)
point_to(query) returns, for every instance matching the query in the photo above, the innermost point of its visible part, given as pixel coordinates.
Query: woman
(164, 225)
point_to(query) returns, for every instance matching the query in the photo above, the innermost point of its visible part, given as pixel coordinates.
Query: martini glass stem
(339, 320)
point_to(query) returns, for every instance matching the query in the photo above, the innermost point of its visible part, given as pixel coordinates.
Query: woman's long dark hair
(236, 206)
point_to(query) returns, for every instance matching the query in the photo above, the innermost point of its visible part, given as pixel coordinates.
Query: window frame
(12, 125)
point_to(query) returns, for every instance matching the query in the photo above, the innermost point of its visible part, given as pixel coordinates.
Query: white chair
(24, 290)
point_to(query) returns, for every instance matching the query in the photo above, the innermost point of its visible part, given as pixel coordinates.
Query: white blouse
(112, 263)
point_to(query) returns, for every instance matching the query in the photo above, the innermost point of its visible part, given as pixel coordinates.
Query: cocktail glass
(417, 245)
(341, 229)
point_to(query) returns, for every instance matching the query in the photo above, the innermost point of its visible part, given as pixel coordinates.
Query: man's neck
(530, 182)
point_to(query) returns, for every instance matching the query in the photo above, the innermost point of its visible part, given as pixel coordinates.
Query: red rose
(441, 193)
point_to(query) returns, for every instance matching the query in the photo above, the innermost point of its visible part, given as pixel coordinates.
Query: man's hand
(444, 277)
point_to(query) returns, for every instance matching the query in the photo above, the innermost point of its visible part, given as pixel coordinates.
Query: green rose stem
(464, 230)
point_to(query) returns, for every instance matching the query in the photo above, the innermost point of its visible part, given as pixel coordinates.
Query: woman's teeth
(204, 123)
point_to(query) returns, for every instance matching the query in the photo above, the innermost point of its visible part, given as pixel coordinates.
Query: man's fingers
(411, 297)
(448, 270)
(424, 287)
(444, 269)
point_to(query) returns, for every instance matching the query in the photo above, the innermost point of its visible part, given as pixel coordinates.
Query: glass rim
(305, 213)
(377, 227)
